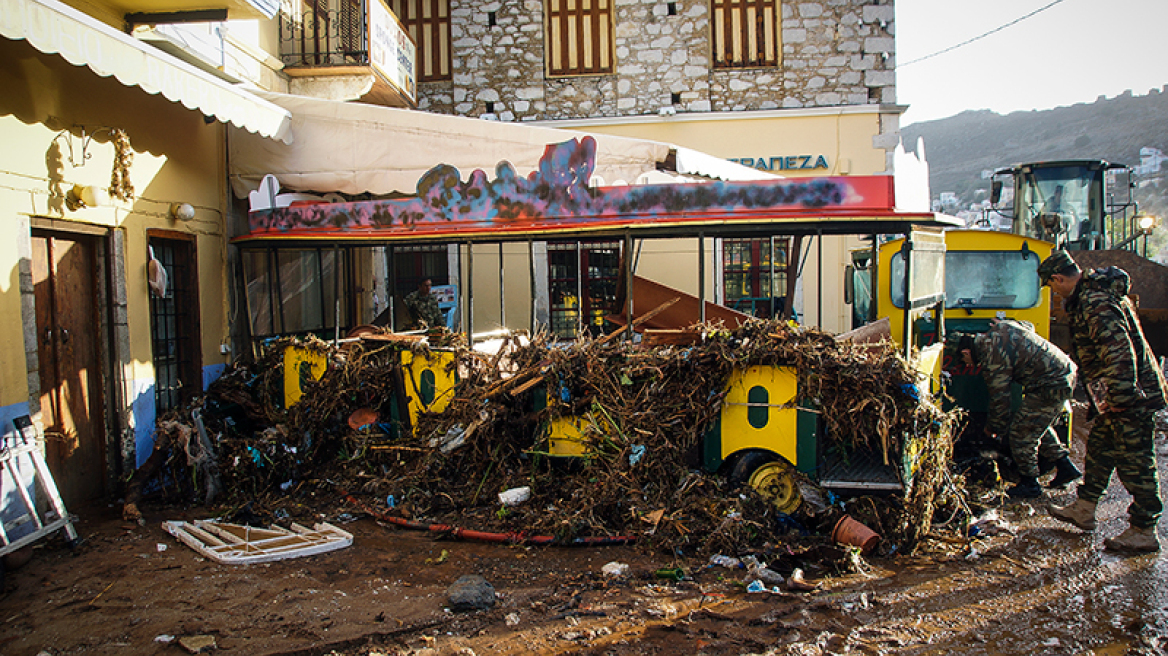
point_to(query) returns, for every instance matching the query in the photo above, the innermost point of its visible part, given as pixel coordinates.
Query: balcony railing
(338, 37)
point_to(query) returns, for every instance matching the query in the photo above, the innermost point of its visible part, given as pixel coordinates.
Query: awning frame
(57, 29)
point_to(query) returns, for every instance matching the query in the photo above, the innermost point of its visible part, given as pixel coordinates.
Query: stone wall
(833, 53)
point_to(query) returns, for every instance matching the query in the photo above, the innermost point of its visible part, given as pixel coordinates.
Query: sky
(1072, 52)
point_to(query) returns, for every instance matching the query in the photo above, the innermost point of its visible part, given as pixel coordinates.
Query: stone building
(654, 56)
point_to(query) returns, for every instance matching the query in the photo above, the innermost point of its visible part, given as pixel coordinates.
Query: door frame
(116, 436)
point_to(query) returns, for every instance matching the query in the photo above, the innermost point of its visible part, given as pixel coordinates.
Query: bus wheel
(773, 480)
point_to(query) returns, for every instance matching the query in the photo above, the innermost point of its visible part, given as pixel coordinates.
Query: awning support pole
(628, 260)
(502, 293)
(702, 276)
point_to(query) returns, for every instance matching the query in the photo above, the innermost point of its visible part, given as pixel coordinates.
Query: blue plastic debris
(756, 586)
(256, 456)
(637, 454)
(390, 501)
(910, 390)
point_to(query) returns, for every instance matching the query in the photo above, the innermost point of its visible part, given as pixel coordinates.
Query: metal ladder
(21, 450)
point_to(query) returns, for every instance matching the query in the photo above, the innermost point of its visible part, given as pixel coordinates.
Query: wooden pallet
(234, 544)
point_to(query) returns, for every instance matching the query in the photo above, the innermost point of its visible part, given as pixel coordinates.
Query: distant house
(1151, 159)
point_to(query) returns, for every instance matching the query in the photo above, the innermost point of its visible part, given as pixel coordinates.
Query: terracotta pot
(850, 532)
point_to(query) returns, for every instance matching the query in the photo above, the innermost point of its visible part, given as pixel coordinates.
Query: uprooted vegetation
(642, 410)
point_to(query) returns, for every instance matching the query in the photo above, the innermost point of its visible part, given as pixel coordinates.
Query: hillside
(959, 148)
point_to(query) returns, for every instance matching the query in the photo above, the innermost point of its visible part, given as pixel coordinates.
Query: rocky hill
(959, 148)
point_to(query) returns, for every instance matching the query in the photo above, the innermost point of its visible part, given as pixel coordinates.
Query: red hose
(511, 537)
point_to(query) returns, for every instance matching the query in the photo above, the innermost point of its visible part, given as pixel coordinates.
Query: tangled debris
(642, 412)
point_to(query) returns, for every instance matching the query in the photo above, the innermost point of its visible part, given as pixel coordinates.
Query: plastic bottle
(515, 496)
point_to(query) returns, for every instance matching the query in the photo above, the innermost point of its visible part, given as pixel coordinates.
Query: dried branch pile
(642, 412)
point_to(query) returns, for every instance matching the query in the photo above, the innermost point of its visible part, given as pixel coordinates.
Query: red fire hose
(510, 537)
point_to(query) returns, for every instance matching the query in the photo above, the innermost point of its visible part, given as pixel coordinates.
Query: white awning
(54, 28)
(358, 148)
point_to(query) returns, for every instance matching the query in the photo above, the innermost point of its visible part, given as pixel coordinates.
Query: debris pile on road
(641, 412)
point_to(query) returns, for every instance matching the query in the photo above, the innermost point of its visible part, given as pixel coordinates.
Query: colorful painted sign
(556, 197)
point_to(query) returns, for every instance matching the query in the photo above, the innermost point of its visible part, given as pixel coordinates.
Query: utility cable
(981, 36)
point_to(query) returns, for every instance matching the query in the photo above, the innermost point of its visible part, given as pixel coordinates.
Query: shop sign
(783, 162)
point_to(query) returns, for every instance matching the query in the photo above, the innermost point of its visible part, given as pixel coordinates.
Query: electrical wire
(980, 36)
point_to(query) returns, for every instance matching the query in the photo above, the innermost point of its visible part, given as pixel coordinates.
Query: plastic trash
(728, 562)
(756, 586)
(515, 496)
(766, 575)
(637, 454)
(390, 501)
(615, 569)
(455, 437)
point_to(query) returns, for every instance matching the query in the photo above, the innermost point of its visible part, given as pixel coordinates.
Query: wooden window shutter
(579, 37)
(428, 23)
(744, 33)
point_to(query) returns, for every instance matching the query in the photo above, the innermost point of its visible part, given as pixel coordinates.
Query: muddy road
(1036, 587)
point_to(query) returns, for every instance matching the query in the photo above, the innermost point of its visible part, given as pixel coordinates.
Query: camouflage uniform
(424, 310)
(1011, 352)
(1109, 346)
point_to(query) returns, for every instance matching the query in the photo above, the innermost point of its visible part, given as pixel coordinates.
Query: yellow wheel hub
(775, 482)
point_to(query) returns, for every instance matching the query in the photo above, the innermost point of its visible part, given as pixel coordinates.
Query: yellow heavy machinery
(1086, 207)
(988, 275)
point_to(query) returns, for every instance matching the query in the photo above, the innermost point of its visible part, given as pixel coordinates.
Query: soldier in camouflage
(1125, 387)
(423, 307)
(1011, 352)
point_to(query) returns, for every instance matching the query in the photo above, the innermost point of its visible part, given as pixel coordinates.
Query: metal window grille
(579, 37)
(744, 33)
(583, 285)
(174, 325)
(323, 36)
(428, 22)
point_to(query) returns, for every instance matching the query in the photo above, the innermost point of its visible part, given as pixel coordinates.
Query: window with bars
(428, 23)
(174, 325)
(579, 37)
(744, 33)
(752, 281)
(582, 282)
(413, 264)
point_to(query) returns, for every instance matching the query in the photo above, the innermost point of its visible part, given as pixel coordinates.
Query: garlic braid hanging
(120, 185)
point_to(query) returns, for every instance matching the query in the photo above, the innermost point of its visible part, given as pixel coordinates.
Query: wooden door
(65, 275)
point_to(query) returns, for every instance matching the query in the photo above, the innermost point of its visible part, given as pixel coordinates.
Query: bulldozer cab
(1074, 204)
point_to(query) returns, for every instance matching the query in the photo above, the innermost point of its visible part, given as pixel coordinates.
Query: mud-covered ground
(134, 589)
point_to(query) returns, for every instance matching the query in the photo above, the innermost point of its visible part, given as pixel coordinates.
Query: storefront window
(751, 282)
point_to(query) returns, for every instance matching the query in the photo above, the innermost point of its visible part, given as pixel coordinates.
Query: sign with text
(391, 50)
(784, 162)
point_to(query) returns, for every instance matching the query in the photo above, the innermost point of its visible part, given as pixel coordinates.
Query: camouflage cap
(1058, 262)
(955, 343)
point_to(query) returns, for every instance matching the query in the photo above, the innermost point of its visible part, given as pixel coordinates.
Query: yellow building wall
(178, 158)
(845, 137)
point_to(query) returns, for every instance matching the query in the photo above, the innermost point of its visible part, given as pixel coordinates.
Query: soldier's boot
(1081, 513)
(1067, 473)
(1027, 488)
(1135, 540)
